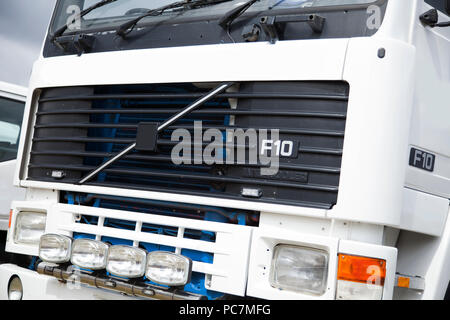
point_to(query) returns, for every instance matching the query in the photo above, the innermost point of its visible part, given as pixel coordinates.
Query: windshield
(115, 13)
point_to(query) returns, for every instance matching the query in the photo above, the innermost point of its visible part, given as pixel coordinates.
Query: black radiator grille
(78, 128)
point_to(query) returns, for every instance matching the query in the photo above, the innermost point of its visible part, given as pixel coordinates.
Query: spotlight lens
(89, 254)
(126, 261)
(168, 268)
(55, 248)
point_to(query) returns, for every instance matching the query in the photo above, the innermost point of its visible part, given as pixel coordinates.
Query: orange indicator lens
(403, 282)
(361, 269)
(10, 218)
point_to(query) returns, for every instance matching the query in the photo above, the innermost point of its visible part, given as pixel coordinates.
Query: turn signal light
(10, 218)
(360, 278)
(361, 269)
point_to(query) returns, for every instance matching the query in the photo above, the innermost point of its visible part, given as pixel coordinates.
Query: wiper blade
(197, 104)
(61, 30)
(127, 27)
(226, 21)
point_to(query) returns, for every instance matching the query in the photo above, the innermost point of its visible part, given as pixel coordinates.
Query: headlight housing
(168, 268)
(299, 269)
(29, 228)
(126, 261)
(55, 248)
(89, 254)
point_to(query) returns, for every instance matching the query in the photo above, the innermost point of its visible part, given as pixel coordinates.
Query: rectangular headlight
(168, 268)
(89, 254)
(126, 261)
(29, 228)
(55, 248)
(299, 269)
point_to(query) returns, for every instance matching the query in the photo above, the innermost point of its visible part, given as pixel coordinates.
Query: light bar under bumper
(150, 292)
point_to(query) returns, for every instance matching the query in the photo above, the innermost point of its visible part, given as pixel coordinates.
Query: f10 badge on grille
(282, 148)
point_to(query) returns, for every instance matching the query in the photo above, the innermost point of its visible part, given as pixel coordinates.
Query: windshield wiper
(127, 27)
(226, 21)
(197, 104)
(61, 30)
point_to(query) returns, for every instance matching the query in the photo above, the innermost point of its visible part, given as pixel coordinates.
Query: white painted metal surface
(430, 129)
(375, 146)
(423, 212)
(438, 273)
(427, 257)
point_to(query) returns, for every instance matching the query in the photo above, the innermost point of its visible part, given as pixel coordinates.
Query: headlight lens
(30, 226)
(89, 254)
(55, 248)
(126, 261)
(168, 268)
(299, 269)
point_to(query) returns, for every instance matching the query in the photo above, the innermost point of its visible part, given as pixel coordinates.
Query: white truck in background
(355, 94)
(12, 105)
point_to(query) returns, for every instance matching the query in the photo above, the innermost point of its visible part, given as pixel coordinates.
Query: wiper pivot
(226, 21)
(273, 26)
(431, 19)
(83, 43)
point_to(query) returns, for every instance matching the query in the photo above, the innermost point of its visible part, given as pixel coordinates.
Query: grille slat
(191, 176)
(167, 159)
(196, 96)
(198, 112)
(119, 126)
(78, 128)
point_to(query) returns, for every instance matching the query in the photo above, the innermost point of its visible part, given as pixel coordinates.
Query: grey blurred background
(23, 25)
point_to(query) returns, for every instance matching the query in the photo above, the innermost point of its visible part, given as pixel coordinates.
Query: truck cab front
(202, 149)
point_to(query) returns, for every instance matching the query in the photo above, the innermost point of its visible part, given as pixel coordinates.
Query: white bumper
(40, 287)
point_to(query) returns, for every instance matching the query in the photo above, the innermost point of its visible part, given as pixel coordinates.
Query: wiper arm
(127, 27)
(226, 21)
(221, 88)
(61, 30)
(122, 30)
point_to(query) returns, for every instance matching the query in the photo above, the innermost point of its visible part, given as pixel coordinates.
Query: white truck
(213, 148)
(12, 105)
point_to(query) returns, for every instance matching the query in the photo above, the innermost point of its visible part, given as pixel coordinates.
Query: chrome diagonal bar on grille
(221, 88)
